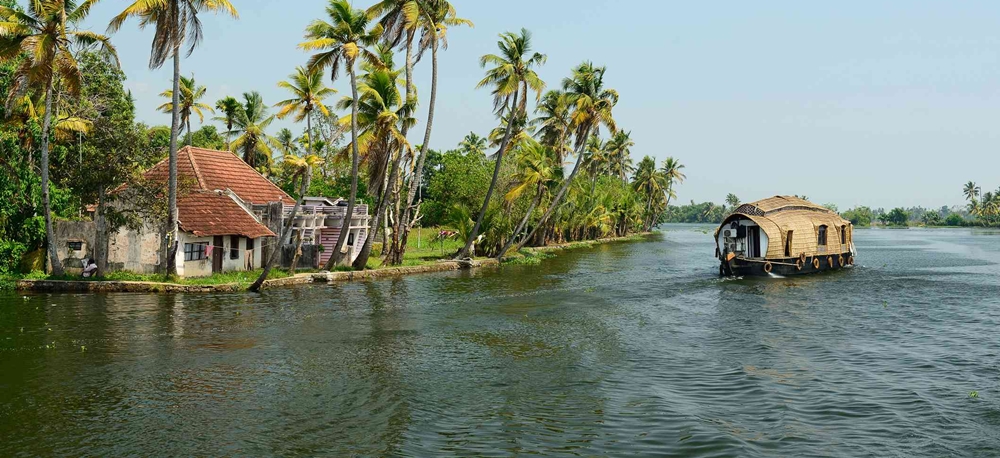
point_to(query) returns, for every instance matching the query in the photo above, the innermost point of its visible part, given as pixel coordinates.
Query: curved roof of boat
(780, 214)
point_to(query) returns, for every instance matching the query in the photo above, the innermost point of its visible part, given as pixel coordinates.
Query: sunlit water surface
(622, 349)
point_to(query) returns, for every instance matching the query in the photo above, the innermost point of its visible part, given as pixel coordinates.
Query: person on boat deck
(90, 270)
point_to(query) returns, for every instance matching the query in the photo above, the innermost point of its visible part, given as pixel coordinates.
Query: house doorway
(217, 254)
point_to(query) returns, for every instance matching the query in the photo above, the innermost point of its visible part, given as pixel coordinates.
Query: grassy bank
(241, 279)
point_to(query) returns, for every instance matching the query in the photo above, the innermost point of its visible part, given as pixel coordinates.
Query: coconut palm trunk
(337, 256)
(466, 250)
(306, 178)
(559, 196)
(524, 221)
(101, 234)
(383, 204)
(418, 171)
(55, 264)
(389, 252)
(170, 238)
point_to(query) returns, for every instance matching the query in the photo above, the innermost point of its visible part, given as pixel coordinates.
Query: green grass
(421, 249)
(244, 278)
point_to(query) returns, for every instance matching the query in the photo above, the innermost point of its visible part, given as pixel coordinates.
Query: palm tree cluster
(984, 206)
(534, 195)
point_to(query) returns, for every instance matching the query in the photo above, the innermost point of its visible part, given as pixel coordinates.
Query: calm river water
(623, 349)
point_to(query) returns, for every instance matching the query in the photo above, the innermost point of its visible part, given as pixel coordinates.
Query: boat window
(822, 236)
(788, 245)
(843, 235)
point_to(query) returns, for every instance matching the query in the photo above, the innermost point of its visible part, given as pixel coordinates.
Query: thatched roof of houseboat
(779, 215)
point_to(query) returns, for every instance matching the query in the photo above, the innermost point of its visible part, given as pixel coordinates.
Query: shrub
(10, 256)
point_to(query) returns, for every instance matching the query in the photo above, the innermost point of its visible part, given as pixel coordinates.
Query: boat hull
(784, 267)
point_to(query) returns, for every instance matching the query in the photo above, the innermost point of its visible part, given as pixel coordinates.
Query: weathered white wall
(202, 268)
(135, 251)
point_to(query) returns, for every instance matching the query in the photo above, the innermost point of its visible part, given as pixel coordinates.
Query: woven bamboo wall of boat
(779, 215)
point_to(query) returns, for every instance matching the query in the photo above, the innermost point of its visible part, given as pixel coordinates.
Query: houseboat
(783, 235)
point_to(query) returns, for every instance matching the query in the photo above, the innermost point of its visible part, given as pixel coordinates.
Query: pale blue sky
(852, 102)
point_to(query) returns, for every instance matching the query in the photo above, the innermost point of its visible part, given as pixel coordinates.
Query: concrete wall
(66, 232)
(309, 259)
(135, 251)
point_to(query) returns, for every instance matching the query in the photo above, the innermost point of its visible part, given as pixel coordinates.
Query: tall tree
(251, 126)
(536, 170)
(592, 107)
(175, 23)
(512, 76)
(553, 123)
(473, 144)
(432, 18)
(619, 152)
(672, 173)
(732, 201)
(382, 115)
(230, 109)
(43, 35)
(191, 93)
(650, 183)
(339, 42)
(308, 93)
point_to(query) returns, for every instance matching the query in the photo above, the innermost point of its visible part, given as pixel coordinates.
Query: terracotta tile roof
(209, 170)
(208, 213)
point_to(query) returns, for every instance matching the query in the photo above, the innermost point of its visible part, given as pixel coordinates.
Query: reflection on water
(634, 348)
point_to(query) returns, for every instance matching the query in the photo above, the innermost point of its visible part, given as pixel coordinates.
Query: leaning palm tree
(191, 93)
(382, 115)
(308, 92)
(592, 107)
(230, 109)
(511, 77)
(251, 126)
(43, 35)
(302, 169)
(536, 169)
(432, 18)
(175, 24)
(340, 42)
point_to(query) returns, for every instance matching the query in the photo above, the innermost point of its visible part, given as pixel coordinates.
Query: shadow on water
(619, 349)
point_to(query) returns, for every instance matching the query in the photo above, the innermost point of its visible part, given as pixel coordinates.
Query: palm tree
(473, 144)
(732, 201)
(672, 172)
(251, 125)
(511, 77)
(535, 171)
(175, 22)
(553, 123)
(340, 42)
(230, 108)
(650, 183)
(619, 154)
(592, 105)
(382, 115)
(971, 191)
(191, 93)
(302, 167)
(432, 18)
(43, 36)
(286, 141)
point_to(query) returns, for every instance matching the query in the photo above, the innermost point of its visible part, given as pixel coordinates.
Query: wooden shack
(783, 235)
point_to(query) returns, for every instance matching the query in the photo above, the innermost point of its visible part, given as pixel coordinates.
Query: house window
(234, 247)
(195, 251)
(75, 246)
(249, 244)
(822, 236)
(843, 235)
(788, 245)
(350, 239)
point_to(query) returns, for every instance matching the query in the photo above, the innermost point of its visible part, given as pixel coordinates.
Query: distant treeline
(862, 216)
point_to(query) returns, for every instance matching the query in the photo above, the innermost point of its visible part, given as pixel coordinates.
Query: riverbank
(241, 280)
